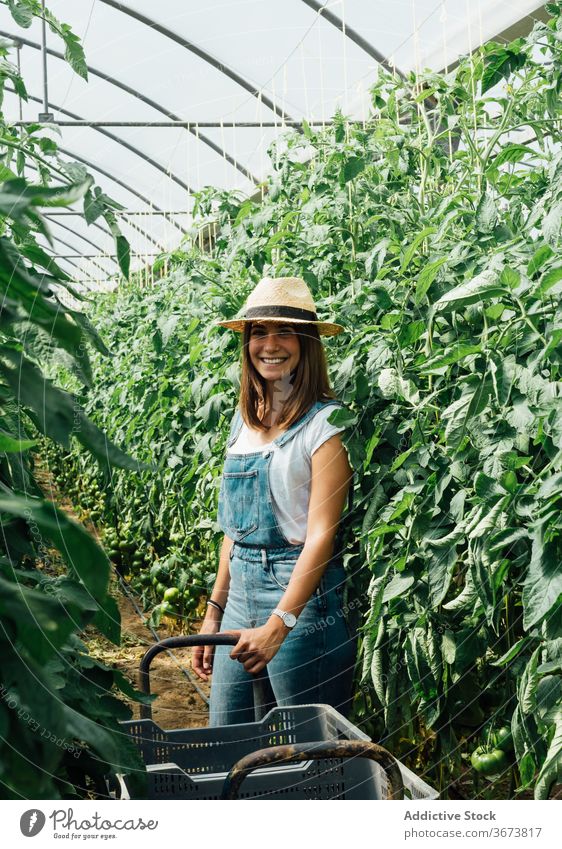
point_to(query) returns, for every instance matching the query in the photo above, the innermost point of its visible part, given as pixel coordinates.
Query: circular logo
(31, 822)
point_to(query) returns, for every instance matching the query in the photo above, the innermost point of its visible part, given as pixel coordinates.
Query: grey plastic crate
(193, 763)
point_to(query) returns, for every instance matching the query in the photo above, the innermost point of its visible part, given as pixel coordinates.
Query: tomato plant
(433, 234)
(59, 707)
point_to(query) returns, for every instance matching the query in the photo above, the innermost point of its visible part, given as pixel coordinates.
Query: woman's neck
(277, 392)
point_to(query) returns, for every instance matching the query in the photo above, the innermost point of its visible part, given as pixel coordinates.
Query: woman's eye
(258, 331)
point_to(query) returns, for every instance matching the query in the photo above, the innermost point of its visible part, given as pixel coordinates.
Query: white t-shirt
(291, 469)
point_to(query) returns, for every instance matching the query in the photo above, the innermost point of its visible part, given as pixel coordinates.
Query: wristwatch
(289, 619)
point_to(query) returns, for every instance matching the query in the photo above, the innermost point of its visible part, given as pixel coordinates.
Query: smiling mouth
(273, 361)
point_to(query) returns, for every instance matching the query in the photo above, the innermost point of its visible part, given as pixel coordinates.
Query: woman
(285, 480)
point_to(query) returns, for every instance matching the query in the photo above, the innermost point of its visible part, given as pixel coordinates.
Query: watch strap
(284, 615)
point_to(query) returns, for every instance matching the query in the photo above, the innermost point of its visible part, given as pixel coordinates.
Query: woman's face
(274, 348)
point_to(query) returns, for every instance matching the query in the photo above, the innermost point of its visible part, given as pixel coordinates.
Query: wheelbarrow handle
(293, 753)
(194, 640)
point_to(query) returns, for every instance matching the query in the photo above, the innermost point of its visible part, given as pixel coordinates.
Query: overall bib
(316, 660)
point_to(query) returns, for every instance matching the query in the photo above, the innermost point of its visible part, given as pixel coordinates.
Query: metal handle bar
(196, 640)
(293, 753)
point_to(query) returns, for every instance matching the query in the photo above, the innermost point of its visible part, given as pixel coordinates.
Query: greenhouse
(280, 368)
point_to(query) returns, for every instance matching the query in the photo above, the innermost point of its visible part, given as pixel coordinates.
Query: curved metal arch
(63, 259)
(53, 221)
(144, 99)
(353, 35)
(202, 54)
(120, 182)
(104, 230)
(75, 278)
(74, 248)
(100, 250)
(361, 42)
(95, 224)
(69, 261)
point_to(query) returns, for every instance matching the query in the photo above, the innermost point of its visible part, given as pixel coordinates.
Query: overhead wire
(284, 62)
(443, 18)
(83, 41)
(197, 187)
(344, 55)
(261, 145)
(347, 139)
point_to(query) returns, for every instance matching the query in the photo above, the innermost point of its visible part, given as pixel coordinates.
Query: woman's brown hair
(310, 380)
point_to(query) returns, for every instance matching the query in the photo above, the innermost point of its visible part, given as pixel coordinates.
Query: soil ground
(178, 703)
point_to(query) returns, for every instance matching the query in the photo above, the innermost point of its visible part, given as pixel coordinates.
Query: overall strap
(296, 426)
(237, 422)
(235, 428)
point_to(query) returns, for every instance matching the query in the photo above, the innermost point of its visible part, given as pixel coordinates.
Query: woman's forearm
(307, 574)
(202, 656)
(222, 581)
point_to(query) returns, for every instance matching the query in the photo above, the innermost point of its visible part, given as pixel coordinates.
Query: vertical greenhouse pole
(45, 115)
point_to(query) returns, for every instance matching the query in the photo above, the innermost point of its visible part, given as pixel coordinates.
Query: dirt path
(178, 705)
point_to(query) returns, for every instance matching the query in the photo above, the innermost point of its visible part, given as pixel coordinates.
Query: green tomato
(161, 573)
(489, 762)
(161, 588)
(502, 739)
(171, 594)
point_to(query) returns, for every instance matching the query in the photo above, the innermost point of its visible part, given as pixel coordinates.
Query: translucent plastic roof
(261, 63)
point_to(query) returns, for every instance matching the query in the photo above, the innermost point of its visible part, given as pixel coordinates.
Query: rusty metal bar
(293, 753)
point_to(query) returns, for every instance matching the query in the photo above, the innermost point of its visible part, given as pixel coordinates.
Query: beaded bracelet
(217, 605)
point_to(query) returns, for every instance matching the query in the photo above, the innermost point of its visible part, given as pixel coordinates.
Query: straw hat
(281, 298)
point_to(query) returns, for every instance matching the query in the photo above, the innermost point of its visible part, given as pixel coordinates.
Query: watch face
(290, 620)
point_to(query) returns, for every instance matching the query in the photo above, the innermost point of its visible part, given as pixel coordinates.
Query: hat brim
(325, 328)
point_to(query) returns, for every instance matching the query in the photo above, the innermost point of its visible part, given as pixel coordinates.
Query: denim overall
(316, 660)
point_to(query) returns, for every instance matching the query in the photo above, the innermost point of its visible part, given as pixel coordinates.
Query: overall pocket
(281, 571)
(238, 503)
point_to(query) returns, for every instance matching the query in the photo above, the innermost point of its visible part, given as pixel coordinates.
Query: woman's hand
(202, 656)
(257, 646)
